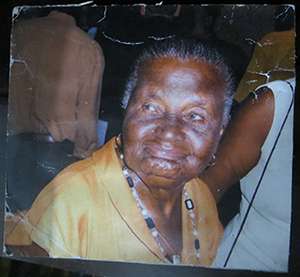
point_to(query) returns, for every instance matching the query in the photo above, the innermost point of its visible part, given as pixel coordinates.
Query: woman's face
(173, 121)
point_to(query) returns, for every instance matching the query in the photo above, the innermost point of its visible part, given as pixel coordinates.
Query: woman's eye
(194, 116)
(148, 107)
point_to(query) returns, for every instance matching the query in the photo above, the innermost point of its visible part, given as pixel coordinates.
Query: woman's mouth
(164, 152)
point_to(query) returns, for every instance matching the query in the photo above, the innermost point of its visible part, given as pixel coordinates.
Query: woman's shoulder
(83, 175)
(77, 185)
(78, 168)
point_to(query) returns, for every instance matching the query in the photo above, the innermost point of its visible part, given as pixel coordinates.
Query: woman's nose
(170, 130)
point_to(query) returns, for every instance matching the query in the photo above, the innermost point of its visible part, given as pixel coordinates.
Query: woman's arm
(240, 147)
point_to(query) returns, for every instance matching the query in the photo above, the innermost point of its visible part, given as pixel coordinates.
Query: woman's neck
(164, 201)
(164, 207)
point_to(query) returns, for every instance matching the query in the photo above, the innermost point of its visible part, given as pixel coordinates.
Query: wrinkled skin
(173, 121)
(171, 129)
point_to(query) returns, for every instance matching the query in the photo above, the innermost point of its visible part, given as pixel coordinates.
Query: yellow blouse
(88, 211)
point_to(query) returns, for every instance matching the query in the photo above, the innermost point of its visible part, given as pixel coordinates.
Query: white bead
(189, 204)
(192, 215)
(122, 156)
(198, 255)
(154, 234)
(186, 193)
(144, 212)
(195, 233)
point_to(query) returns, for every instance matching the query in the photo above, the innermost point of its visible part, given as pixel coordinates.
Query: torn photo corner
(118, 138)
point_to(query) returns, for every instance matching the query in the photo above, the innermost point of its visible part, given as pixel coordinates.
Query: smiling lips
(164, 152)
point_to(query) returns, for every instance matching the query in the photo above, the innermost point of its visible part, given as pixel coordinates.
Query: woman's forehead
(174, 75)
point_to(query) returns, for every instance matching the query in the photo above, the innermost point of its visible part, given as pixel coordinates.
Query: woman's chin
(165, 171)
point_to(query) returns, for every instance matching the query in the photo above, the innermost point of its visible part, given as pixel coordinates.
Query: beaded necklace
(150, 223)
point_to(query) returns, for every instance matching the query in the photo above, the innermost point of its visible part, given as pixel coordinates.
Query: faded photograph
(154, 134)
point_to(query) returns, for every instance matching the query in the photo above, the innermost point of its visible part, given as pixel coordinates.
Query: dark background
(10, 267)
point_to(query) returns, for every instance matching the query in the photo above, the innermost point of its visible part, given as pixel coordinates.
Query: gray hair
(183, 50)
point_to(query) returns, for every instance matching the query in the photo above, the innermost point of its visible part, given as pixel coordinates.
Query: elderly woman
(138, 198)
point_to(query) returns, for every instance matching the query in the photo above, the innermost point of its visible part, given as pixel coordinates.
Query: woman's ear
(223, 129)
(224, 125)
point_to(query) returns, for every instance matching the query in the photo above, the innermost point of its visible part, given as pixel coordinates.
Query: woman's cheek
(205, 148)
